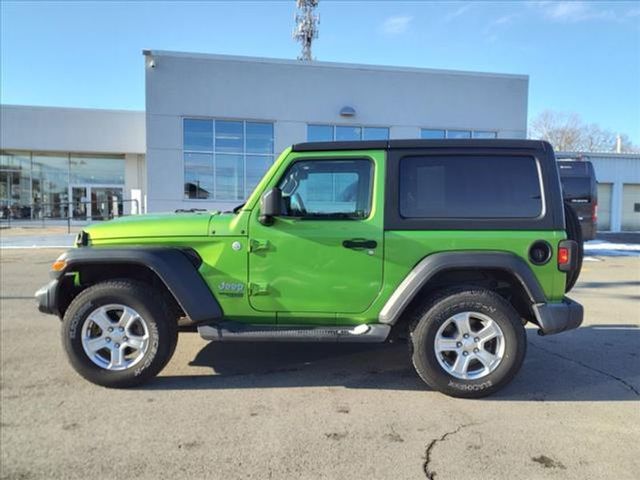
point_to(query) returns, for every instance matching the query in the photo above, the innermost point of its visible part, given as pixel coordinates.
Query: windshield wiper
(238, 208)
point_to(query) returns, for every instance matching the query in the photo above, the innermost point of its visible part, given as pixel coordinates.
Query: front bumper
(558, 317)
(46, 297)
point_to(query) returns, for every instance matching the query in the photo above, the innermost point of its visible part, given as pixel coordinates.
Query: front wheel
(118, 334)
(468, 343)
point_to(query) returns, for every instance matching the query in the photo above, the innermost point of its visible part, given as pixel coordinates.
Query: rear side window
(470, 187)
(576, 187)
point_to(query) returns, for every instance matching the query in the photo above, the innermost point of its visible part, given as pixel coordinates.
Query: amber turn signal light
(58, 265)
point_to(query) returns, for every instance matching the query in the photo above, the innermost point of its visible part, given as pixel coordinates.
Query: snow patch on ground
(38, 241)
(608, 249)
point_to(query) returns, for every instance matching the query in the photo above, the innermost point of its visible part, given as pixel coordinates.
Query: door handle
(357, 243)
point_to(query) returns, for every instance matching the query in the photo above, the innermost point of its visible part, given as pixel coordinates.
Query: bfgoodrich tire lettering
(159, 332)
(487, 305)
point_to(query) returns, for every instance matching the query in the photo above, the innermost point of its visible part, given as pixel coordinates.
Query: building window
(435, 133)
(348, 133)
(328, 133)
(15, 184)
(319, 133)
(38, 184)
(96, 169)
(458, 133)
(430, 134)
(375, 133)
(484, 134)
(225, 159)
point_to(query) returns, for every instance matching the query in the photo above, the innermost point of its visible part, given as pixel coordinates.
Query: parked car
(452, 244)
(580, 190)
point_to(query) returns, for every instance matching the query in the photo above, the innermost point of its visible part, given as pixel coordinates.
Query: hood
(156, 225)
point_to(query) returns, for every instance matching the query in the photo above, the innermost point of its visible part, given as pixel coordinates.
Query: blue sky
(582, 57)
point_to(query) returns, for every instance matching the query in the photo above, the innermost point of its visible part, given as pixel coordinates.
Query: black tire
(574, 232)
(449, 303)
(162, 329)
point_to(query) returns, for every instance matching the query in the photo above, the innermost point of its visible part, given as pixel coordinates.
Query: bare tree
(627, 145)
(595, 139)
(561, 130)
(567, 133)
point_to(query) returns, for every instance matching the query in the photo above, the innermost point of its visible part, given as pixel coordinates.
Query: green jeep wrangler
(454, 245)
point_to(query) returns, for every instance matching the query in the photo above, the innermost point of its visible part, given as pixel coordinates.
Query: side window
(328, 189)
(472, 186)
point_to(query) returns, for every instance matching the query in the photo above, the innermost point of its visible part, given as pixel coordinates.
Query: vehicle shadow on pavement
(594, 363)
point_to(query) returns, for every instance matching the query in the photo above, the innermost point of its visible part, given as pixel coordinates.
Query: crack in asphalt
(427, 455)
(589, 367)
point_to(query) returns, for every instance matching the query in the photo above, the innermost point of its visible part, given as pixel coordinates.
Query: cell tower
(306, 28)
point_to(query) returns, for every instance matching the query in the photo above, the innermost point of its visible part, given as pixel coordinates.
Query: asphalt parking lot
(323, 411)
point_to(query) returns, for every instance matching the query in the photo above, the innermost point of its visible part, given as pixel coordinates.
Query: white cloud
(574, 12)
(457, 12)
(505, 19)
(634, 12)
(569, 11)
(492, 29)
(396, 24)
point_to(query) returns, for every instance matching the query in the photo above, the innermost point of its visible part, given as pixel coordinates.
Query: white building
(70, 161)
(214, 123)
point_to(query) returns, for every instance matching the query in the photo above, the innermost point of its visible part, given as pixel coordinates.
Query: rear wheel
(468, 343)
(574, 232)
(118, 333)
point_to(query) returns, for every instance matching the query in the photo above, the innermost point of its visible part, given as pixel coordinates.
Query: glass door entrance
(95, 202)
(106, 202)
(79, 203)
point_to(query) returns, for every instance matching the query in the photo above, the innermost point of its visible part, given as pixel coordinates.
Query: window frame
(551, 217)
(372, 177)
(213, 152)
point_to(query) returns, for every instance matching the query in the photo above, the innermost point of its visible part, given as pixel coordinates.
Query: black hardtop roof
(419, 143)
(575, 168)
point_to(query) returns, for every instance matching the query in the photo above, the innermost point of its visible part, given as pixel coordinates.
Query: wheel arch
(173, 271)
(506, 273)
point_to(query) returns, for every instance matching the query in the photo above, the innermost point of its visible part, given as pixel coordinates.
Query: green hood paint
(156, 225)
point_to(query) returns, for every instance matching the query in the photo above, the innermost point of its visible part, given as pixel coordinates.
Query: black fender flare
(436, 263)
(177, 268)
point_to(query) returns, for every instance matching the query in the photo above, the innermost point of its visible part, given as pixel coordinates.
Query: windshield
(326, 188)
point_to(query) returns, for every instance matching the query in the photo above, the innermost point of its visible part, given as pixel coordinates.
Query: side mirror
(270, 206)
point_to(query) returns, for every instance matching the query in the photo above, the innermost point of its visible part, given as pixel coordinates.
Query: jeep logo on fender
(231, 288)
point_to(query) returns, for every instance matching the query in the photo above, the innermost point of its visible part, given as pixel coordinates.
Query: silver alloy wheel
(469, 345)
(115, 337)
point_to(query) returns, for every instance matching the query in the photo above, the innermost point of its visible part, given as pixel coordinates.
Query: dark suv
(580, 190)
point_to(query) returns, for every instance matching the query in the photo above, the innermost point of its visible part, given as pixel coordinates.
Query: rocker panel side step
(238, 332)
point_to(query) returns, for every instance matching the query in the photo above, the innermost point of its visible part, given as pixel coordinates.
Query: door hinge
(258, 245)
(258, 289)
